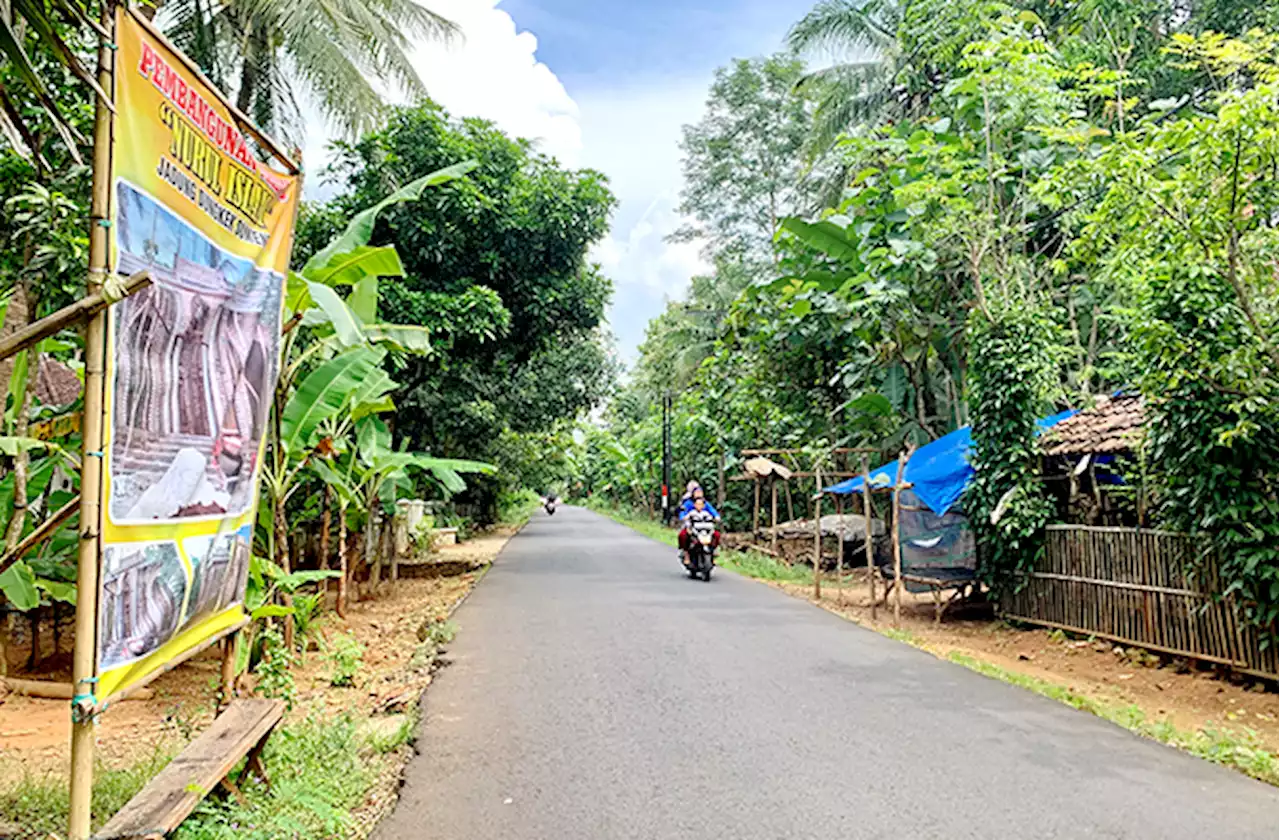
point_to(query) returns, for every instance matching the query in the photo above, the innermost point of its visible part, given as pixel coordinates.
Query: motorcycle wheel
(706, 575)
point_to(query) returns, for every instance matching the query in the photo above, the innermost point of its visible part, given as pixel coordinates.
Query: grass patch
(320, 771)
(37, 806)
(1242, 753)
(763, 567)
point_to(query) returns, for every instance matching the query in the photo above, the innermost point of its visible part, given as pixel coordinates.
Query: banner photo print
(192, 360)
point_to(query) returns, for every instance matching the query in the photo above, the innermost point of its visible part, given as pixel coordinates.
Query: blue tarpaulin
(938, 472)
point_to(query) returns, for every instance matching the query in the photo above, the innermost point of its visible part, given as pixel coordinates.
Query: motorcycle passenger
(696, 504)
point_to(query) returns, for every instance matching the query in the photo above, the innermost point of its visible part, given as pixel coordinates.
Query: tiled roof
(1114, 424)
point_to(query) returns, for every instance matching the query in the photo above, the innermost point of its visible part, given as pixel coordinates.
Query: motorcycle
(703, 540)
(550, 506)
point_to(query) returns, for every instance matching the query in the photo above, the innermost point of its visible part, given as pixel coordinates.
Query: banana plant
(346, 346)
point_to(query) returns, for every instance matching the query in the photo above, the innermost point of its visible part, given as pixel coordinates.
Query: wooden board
(174, 793)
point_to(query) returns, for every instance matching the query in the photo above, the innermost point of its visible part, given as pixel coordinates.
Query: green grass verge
(1241, 752)
(320, 771)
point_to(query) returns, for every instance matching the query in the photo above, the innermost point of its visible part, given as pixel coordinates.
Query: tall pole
(666, 458)
(84, 664)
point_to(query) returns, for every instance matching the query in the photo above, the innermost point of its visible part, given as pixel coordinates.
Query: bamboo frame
(84, 659)
(868, 535)
(86, 307)
(839, 547)
(897, 546)
(41, 533)
(1131, 586)
(242, 122)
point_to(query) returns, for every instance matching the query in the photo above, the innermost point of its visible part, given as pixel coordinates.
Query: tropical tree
(495, 265)
(342, 56)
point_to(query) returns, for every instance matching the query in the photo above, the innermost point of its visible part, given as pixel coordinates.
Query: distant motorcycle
(550, 505)
(703, 541)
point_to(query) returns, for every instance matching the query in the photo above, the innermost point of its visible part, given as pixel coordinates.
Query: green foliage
(495, 269)
(340, 57)
(38, 805)
(345, 655)
(320, 772)
(275, 679)
(1011, 375)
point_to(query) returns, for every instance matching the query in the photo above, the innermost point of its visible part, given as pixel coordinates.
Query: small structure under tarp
(1086, 457)
(934, 549)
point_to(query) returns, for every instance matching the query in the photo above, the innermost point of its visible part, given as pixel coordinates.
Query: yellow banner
(192, 360)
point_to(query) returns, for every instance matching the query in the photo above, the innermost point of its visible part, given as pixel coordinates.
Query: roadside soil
(1164, 689)
(35, 733)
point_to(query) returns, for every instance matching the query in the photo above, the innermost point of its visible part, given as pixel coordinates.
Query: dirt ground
(35, 733)
(1164, 689)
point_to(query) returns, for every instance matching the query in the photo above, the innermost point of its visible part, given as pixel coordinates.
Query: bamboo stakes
(897, 546)
(867, 541)
(840, 547)
(773, 508)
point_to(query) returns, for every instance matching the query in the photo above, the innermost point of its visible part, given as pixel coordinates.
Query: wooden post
(840, 547)
(84, 661)
(817, 547)
(227, 689)
(897, 546)
(773, 492)
(867, 535)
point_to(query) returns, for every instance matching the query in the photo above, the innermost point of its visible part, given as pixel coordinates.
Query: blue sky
(605, 85)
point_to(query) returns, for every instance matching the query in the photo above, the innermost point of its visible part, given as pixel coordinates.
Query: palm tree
(336, 52)
(861, 36)
(24, 23)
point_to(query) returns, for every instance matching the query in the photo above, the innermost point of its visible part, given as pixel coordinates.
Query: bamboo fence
(1135, 586)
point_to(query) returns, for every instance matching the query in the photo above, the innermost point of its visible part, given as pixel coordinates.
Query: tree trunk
(282, 559)
(373, 557)
(326, 508)
(21, 424)
(341, 604)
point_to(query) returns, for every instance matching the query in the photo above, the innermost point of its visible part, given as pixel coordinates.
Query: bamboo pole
(867, 536)
(897, 546)
(773, 507)
(840, 547)
(817, 547)
(67, 316)
(45, 530)
(84, 661)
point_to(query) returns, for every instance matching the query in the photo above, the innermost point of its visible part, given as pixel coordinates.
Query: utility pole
(666, 458)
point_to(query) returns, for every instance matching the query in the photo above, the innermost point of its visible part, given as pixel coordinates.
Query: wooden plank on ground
(174, 793)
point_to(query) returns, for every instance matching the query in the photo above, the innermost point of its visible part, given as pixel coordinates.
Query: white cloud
(493, 72)
(628, 129)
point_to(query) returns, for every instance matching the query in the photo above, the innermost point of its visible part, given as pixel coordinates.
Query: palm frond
(840, 27)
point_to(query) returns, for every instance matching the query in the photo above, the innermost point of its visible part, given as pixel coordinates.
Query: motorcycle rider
(697, 502)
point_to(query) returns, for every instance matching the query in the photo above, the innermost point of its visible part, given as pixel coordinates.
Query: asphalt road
(596, 692)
